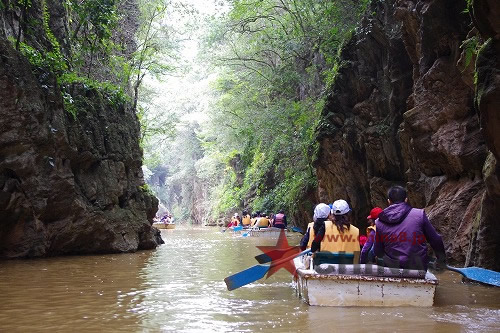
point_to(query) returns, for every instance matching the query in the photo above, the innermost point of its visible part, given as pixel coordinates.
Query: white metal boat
(363, 285)
(263, 232)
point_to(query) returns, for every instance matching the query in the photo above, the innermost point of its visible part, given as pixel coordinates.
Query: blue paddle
(264, 258)
(297, 229)
(478, 274)
(255, 273)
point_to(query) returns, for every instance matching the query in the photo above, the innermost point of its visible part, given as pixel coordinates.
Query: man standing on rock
(403, 232)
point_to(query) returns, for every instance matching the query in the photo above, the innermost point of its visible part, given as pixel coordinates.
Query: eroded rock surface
(67, 185)
(402, 112)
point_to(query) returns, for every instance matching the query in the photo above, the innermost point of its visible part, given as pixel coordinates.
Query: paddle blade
(245, 277)
(479, 274)
(266, 257)
(263, 258)
(238, 228)
(297, 229)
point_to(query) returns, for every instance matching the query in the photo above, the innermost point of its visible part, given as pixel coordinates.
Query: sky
(186, 93)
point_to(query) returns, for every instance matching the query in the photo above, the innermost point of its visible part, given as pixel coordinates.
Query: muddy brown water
(179, 287)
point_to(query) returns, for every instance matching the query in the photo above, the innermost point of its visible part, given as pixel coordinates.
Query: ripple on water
(179, 287)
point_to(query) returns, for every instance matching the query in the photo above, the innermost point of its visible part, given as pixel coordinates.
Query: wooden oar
(255, 273)
(478, 274)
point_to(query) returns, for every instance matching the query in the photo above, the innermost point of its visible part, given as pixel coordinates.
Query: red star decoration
(281, 250)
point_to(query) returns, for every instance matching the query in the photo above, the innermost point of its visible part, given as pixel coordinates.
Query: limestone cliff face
(402, 112)
(67, 185)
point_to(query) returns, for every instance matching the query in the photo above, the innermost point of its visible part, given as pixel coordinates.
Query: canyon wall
(68, 184)
(401, 111)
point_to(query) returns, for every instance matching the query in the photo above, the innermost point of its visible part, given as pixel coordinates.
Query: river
(179, 287)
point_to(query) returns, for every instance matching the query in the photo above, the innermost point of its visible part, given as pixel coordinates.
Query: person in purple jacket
(403, 232)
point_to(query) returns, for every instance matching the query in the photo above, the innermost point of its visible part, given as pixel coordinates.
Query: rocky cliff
(402, 112)
(68, 185)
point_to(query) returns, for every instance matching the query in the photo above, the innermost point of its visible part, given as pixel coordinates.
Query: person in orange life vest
(245, 220)
(263, 221)
(280, 220)
(367, 255)
(321, 214)
(253, 220)
(335, 235)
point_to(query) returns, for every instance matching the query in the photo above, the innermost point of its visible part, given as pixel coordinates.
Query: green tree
(274, 58)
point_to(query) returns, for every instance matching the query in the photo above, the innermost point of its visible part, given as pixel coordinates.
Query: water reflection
(68, 292)
(179, 288)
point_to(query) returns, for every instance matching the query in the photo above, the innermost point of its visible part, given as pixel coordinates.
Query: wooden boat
(161, 225)
(372, 285)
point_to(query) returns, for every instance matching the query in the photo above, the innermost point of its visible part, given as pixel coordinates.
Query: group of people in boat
(259, 220)
(397, 236)
(166, 218)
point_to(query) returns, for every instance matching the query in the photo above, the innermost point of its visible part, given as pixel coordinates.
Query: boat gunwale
(368, 278)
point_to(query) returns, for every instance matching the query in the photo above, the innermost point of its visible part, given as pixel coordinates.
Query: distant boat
(337, 285)
(262, 232)
(161, 225)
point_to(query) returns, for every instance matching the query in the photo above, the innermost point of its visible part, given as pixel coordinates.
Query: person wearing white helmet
(332, 230)
(316, 229)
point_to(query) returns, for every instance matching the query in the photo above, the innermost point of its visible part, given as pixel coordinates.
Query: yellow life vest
(369, 229)
(334, 241)
(263, 222)
(246, 220)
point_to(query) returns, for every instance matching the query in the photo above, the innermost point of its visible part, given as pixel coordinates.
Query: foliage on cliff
(274, 59)
(104, 46)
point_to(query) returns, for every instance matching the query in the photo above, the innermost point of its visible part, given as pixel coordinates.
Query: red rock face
(67, 186)
(402, 112)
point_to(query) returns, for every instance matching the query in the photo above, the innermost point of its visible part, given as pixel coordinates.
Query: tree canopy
(270, 62)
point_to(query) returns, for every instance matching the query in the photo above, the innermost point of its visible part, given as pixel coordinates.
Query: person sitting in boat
(367, 256)
(280, 220)
(253, 220)
(321, 214)
(246, 220)
(403, 232)
(165, 219)
(335, 235)
(234, 221)
(263, 221)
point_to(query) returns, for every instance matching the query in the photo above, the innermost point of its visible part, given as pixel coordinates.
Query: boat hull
(164, 225)
(358, 290)
(265, 232)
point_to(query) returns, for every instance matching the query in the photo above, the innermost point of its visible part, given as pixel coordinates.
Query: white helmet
(321, 211)
(340, 207)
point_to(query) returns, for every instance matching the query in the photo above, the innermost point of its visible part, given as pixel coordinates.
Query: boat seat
(325, 257)
(369, 270)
